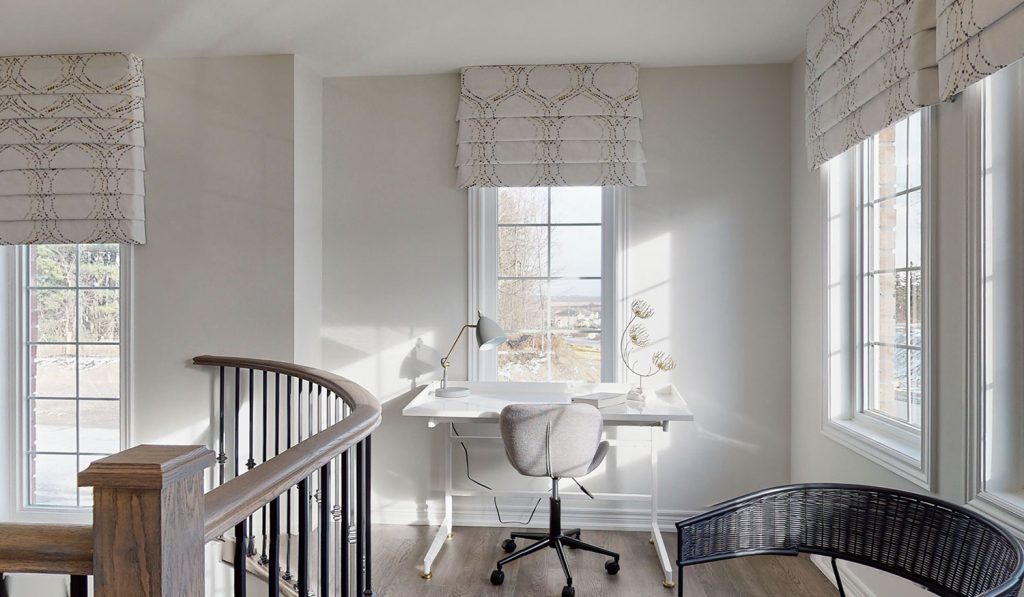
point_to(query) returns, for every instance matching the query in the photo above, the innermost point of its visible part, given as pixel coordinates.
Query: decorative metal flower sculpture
(636, 336)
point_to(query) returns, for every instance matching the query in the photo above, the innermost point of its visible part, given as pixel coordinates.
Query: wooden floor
(465, 563)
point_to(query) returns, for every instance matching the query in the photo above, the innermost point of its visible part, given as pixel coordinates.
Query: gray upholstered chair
(555, 441)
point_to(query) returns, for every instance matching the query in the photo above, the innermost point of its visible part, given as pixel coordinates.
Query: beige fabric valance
(72, 151)
(869, 64)
(550, 125)
(977, 38)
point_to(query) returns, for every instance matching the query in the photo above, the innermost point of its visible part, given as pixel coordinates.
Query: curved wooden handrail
(46, 548)
(235, 500)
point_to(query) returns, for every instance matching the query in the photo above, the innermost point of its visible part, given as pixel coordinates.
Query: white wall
(309, 194)
(709, 247)
(217, 273)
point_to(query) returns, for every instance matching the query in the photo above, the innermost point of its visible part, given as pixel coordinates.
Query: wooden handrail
(235, 500)
(46, 548)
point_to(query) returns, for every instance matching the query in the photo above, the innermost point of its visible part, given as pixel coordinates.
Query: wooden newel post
(148, 517)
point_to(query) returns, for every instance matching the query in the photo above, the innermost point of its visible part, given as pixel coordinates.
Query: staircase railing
(283, 431)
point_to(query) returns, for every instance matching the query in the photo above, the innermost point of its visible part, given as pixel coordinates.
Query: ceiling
(384, 37)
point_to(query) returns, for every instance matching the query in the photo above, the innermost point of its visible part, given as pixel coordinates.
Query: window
(71, 375)
(877, 338)
(546, 270)
(995, 111)
(892, 237)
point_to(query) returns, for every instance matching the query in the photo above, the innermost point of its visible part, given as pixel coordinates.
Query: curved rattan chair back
(945, 548)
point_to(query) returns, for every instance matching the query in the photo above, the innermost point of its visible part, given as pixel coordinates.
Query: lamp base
(451, 392)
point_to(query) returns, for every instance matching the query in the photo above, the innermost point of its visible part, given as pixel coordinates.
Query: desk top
(486, 399)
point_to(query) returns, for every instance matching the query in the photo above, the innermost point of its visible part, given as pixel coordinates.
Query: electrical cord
(489, 488)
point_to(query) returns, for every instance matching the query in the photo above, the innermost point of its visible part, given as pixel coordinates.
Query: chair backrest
(551, 440)
(948, 549)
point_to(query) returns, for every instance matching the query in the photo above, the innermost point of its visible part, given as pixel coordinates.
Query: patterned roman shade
(71, 149)
(550, 125)
(869, 64)
(976, 38)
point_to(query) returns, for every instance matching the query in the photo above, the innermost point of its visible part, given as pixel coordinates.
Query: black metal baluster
(288, 500)
(298, 410)
(274, 576)
(263, 515)
(222, 457)
(362, 543)
(240, 536)
(79, 585)
(238, 413)
(304, 537)
(346, 521)
(325, 529)
(251, 463)
(365, 500)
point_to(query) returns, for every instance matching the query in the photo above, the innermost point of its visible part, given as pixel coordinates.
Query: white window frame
(893, 445)
(15, 328)
(1007, 508)
(483, 275)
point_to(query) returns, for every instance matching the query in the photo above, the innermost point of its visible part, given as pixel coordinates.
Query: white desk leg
(445, 530)
(656, 539)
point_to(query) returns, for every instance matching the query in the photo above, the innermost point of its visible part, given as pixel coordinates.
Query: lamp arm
(444, 361)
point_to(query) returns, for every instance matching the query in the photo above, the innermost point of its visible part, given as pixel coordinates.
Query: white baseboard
(481, 515)
(853, 585)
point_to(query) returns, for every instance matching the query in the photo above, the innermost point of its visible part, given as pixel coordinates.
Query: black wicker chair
(943, 547)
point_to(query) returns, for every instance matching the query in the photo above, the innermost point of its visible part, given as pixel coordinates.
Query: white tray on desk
(487, 398)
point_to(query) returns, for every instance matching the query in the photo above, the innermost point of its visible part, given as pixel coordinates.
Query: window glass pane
(524, 357)
(52, 370)
(100, 265)
(889, 382)
(54, 480)
(100, 315)
(576, 205)
(914, 407)
(52, 426)
(575, 305)
(576, 251)
(891, 160)
(914, 303)
(527, 205)
(52, 315)
(890, 234)
(576, 357)
(914, 229)
(100, 426)
(890, 308)
(99, 370)
(523, 251)
(522, 304)
(52, 265)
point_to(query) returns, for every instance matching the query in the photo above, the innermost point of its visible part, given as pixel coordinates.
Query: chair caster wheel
(497, 577)
(508, 545)
(612, 567)
(568, 591)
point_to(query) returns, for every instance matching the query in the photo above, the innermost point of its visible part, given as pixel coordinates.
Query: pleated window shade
(71, 149)
(977, 38)
(870, 63)
(550, 125)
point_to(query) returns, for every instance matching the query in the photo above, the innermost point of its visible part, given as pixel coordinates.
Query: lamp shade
(488, 333)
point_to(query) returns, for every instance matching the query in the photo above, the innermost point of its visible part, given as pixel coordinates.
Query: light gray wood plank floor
(465, 563)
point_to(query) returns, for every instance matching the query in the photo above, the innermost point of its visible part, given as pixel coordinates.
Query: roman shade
(869, 64)
(550, 125)
(71, 149)
(975, 39)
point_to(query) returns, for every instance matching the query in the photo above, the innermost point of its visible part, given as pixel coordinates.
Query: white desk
(486, 400)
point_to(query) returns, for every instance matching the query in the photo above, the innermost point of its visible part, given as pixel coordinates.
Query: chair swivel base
(556, 540)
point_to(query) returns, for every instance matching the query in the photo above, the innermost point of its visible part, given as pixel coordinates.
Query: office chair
(555, 441)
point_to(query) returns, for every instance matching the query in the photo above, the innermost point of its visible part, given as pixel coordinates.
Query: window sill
(894, 451)
(1005, 507)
